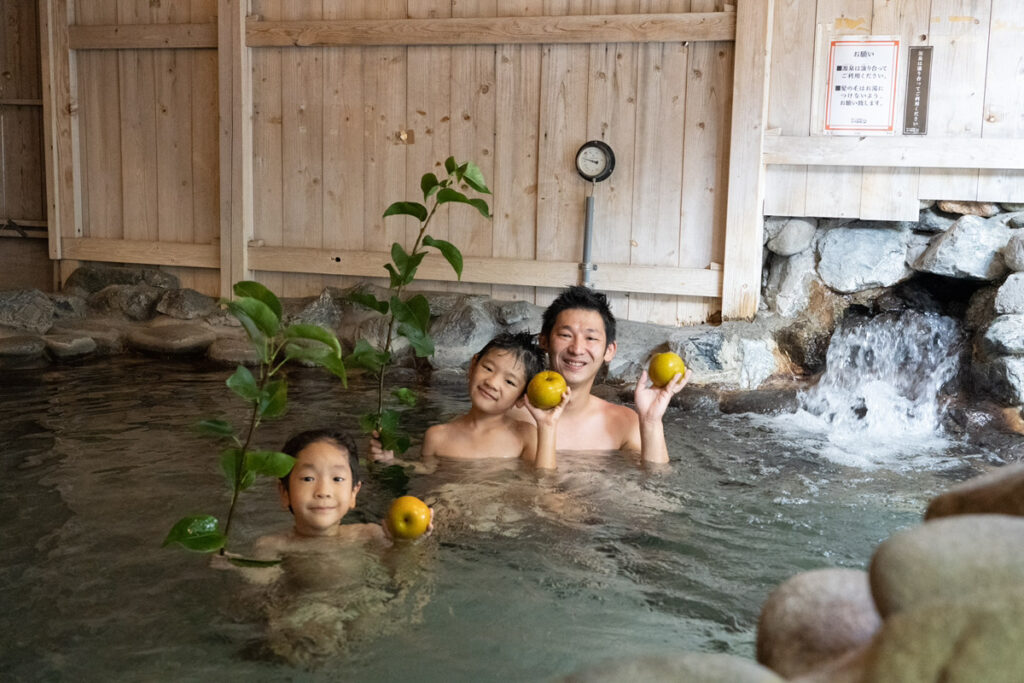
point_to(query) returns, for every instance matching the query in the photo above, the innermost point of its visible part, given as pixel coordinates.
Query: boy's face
(320, 490)
(577, 346)
(496, 381)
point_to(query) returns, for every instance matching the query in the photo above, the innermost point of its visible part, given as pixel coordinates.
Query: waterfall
(879, 396)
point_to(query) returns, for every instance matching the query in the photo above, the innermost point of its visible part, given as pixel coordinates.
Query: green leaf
(369, 301)
(449, 195)
(414, 311)
(421, 342)
(406, 396)
(390, 438)
(255, 290)
(474, 177)
(197, 532)
(262, 316)
(449, 251)
(393, 479)
(368, 423)
(429, 185)
(396, 278)
(269, 463)
(389, 421)
(230, 460)
(244, 384)
(367, 357)
(216, 428)
(320, 355)
(414, 209)
(274, 399)
(480, 206)
(450, 165)
(258, 339)
(315, 333)
(407, 263)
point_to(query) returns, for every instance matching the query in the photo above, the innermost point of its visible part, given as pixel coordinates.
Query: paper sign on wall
(862, 74)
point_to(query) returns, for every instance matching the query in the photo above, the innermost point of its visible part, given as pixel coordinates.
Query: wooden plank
(959, 32)
(658, 174)
(899, 152)
(143, 36)
(473, 112)
(789, 104)
(891, 193)
(302, 92)
(142, 251)
(1004, 103)
(517, 116)
(205, 163)
(741, 283)
(236, 149)
(548, 30)
(520, 272)
(57, 69)
(835, 190)
(138, 132)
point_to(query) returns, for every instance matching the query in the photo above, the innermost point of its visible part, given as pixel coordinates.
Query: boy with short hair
(497, 381)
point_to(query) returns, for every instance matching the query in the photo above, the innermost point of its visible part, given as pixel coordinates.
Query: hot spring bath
(526, 578)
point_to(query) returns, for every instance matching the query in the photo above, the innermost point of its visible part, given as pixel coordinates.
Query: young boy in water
(498, 376)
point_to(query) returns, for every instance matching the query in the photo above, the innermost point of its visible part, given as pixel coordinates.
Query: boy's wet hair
(583, 298)
(523, 346)
(299, 441)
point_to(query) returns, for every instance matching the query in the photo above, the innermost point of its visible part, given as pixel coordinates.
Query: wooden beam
(236, 173)
(744, 223)
(57, 67)
(617, 28)
(142, 36)
(142, 251)
(523, 272)
(899, 151)
(8, 102)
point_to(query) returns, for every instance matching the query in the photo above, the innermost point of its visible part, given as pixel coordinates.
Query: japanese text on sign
(861, 86)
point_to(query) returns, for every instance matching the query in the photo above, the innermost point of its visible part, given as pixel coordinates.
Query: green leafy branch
(410, 317)
(259, 311)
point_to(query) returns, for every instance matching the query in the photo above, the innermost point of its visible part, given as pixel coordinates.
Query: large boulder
(94, 277)
(185, 304)
(172, 339)
(1000, 491)
(460, 333)
(135, 302)
(855, 259)
(1003, 336)
(815, 617)
(792, 236)
(1000, 378)
(971, 249)
(947, 559)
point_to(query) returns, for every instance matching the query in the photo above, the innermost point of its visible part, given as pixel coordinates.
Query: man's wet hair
(523, 346)
(584, 298)
(296, 443)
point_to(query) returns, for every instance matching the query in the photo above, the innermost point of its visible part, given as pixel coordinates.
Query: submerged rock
(692, 667)
(1000, 491)
(173, 339)
(66, 346)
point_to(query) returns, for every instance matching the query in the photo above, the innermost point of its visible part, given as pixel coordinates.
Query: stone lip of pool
(528, 576)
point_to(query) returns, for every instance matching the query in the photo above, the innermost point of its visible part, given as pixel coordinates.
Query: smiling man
(578, 333)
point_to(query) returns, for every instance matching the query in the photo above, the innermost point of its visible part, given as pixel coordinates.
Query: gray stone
(96, 276)
(685, 667)
(1000, 378)
(947, 559)
(1013, 252)
(323, 311)
(517, 316)
(960, 641)
(65, 346)
(1010, 297)
(185, 304)
(69, 306)
(926, 203)
(759, 401)
(460, 333)
(917, 244)
(135, 302)
(970, 249)
(981, 308)
(173, 339)
(815, 617)
(22, 346)
(636, 343)
(1012, 206)
(1015, 220)
(791, 295)
(26, 309)
(731, 354)
(1004, 336)
(773, 226)
(758, 362)
(1000, 491)
(855, 259)
(795, 236)
(233, 351)
(983, 209)
(932, 220)
(107, 333)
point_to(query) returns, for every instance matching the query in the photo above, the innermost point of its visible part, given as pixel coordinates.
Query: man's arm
(651, 403)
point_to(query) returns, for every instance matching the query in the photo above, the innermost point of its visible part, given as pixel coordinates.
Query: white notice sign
(861, 86)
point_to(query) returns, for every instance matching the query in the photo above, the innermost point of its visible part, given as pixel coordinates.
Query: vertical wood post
(744, 226)
(236, 179)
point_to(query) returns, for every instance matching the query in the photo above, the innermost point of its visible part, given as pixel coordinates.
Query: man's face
(577, 346)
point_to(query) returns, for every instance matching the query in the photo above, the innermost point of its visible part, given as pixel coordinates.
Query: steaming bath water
(526, 578)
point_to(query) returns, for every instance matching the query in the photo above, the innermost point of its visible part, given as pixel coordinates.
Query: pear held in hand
(545, 389)
(664, 367)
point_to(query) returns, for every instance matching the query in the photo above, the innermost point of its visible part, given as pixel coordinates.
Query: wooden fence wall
(263, 138)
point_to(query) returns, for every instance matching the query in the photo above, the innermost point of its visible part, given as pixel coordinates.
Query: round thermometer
(595, 161)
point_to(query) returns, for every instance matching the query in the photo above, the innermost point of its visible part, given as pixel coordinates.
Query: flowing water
(526, 578)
